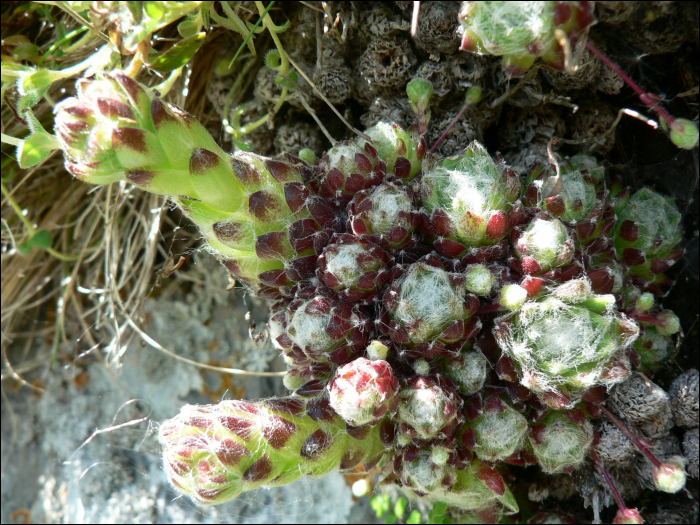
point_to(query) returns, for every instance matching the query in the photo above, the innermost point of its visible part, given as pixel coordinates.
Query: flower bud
(480, 280)
(670, 476)
(667, 323)
(687, 136)
(513, 297)
(419, 92)
(628, 517)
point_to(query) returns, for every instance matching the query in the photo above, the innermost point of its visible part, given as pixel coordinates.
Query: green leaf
(437, 513)
(178, 55)
(391, 519)
(191, 25)
(25, 248)
(381, 503)
(38, 146)
(35, 149)
(41, 239)
(286, 83)
(400, 507)
(273, 59)
(155, 10)
(414, 517)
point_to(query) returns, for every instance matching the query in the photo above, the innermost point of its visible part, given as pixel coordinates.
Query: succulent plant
(429, 408)
(362, 392)
(647, 233)
(561, 440)
(494, 429)
(522, 32)
(354, 267)
(385, 215)
(255, 213)
(377, 316)
(349, 167)
(429, 308)
(562, 345)
(213, 453)
(466, 200)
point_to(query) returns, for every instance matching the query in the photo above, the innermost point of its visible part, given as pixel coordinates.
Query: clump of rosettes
(522, 32)
(647, 232)
(349, 167)
(466, 200)
(429, 408)
(322, 330)
(429, 308)
(385, 214)
(363, 392)
(565, 343)
(494, 429)
(561, 440)
(354, 267)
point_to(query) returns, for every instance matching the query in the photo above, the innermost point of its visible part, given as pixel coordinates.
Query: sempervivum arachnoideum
(403, 151)
(565, 343)
(349, 167)
(542, 245)
(429, 408)
(522, 32)
(577, 196)
(354, 267)
(384, 214)
(255, 213)
(428, 308)
(647, 233)
(364, 391)
(424, 469)
(320, 329)
(494, 430)
(560, 441)
(466, 201)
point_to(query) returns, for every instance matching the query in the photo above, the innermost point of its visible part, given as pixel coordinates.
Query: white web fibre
(343, 263)
(564, 443)
(652, 211)
(309, 330)
(500, 434)
(387, 202)
(428, 297)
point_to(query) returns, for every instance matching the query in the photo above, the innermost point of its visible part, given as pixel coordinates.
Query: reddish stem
(449, 128)
(643, 95)
(612, 486)
(647, 319)
(634, 439)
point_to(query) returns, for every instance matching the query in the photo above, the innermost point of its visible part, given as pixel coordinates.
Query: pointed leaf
(178, 55)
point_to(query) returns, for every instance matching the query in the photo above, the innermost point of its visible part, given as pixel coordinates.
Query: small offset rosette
(647, 234)
(494, 430)
(349, 167)
(354, 267)
(542, 245)
(364, 392)
(425, 469)
(429, 309)
(466, 201)
(403, 151)
(561, 440)
(385, 215)
(321, 330)
(429, 408)
(522, 32)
